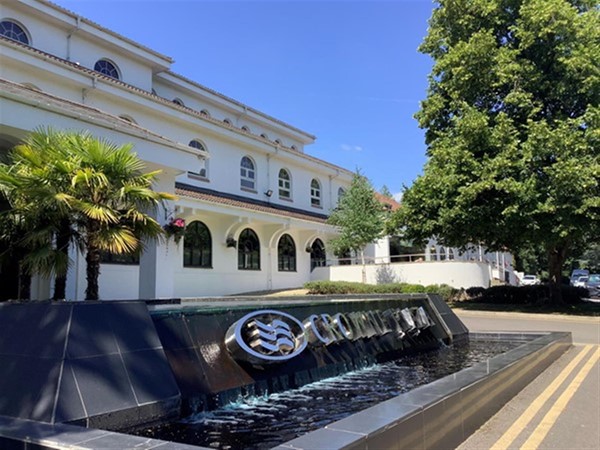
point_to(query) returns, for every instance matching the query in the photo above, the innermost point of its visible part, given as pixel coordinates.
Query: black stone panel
(187, 370)
(11, 444)
(104, 384)
(34, 329)
(25, 384)
(172, 331)
(150, 377)
(70, 406)
(132, 326)
(90, 333)
(66, 362)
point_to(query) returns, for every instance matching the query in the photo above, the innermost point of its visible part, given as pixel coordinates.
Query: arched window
(278, 141)
(228, 121)
(14, 31)
(107, 68)
(285, 184)
(205, 112)
(246, 129)
(318, 257)
(247, 174)
(341, 193)
(315, 192)
(197, 246)
(264, 136)
(197, 144)
(248, 250)
(202, 169)
(293, 147)
(178, 101)
(286, 254)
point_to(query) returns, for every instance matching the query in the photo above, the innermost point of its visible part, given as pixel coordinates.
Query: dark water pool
(267, 421)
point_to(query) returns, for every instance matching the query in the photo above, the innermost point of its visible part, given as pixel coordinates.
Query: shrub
(346, 287)
(524, 295)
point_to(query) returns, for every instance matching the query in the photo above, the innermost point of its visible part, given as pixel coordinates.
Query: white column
(159, 259)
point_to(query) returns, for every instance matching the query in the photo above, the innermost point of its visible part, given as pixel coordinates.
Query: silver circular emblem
(266, 336)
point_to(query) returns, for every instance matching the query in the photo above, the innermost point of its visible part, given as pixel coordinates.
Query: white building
(255, 200)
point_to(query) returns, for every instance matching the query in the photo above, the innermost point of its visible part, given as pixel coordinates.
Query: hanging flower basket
(175, 229)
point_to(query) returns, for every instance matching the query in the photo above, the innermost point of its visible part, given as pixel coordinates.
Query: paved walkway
(561, 408)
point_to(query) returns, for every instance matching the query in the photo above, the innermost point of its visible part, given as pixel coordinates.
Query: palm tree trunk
(24, 289)
(63, 238)
(92, 259)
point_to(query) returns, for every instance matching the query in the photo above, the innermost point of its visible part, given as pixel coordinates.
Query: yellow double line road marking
(550, 418)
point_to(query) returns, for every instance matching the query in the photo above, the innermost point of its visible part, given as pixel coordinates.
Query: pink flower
(180, 223)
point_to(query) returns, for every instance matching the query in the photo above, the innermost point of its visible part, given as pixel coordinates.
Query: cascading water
(264, 421)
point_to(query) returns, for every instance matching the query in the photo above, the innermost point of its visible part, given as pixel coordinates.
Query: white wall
(458, 274)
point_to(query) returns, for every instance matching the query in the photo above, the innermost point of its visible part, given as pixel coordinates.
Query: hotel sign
(271, 336)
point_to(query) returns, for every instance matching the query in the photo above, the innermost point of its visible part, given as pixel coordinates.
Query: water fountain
(126, 366)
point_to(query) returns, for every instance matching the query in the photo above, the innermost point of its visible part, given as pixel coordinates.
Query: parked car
(529, 280)
(593, 285)
(580, 282)
(578, 273)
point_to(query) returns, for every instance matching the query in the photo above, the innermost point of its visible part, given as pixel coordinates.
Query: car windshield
(594, 278)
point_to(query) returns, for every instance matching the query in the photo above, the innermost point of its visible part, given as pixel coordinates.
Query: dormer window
(107, 68)
(246, 129)
(203, 169)
(247, 174)
(264, 136)
(227, 121)
(178, 101)
(14, 31)
(285, 184)
(315, 193)
(205, 112)
(278, 141)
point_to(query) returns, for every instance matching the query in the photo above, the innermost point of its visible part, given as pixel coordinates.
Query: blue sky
(346, 71)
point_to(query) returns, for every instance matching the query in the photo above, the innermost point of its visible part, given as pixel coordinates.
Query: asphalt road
(585, 330)
(561, 408)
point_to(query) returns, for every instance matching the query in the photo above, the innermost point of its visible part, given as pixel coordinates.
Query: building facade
(255, 204)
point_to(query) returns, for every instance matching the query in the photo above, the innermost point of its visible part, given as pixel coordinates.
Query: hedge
(347, 287)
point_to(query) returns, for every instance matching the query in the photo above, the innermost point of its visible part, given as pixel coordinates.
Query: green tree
(511, 120)
(385, 191)
(359, 216)
(93, 191)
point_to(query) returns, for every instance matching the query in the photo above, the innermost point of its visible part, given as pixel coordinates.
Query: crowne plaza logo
(265, 336)
(270, 336)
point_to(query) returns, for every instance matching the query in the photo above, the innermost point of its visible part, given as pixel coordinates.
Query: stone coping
(444, 413)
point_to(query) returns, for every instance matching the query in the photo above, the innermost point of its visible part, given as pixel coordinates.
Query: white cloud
(398, 196)
(351, 148)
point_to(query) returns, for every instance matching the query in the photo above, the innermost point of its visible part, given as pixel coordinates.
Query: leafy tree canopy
(359, 216)
(511, 120)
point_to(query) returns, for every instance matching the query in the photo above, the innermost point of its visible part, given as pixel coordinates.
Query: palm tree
(37, 226)
(73, 187)
(112, 200)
